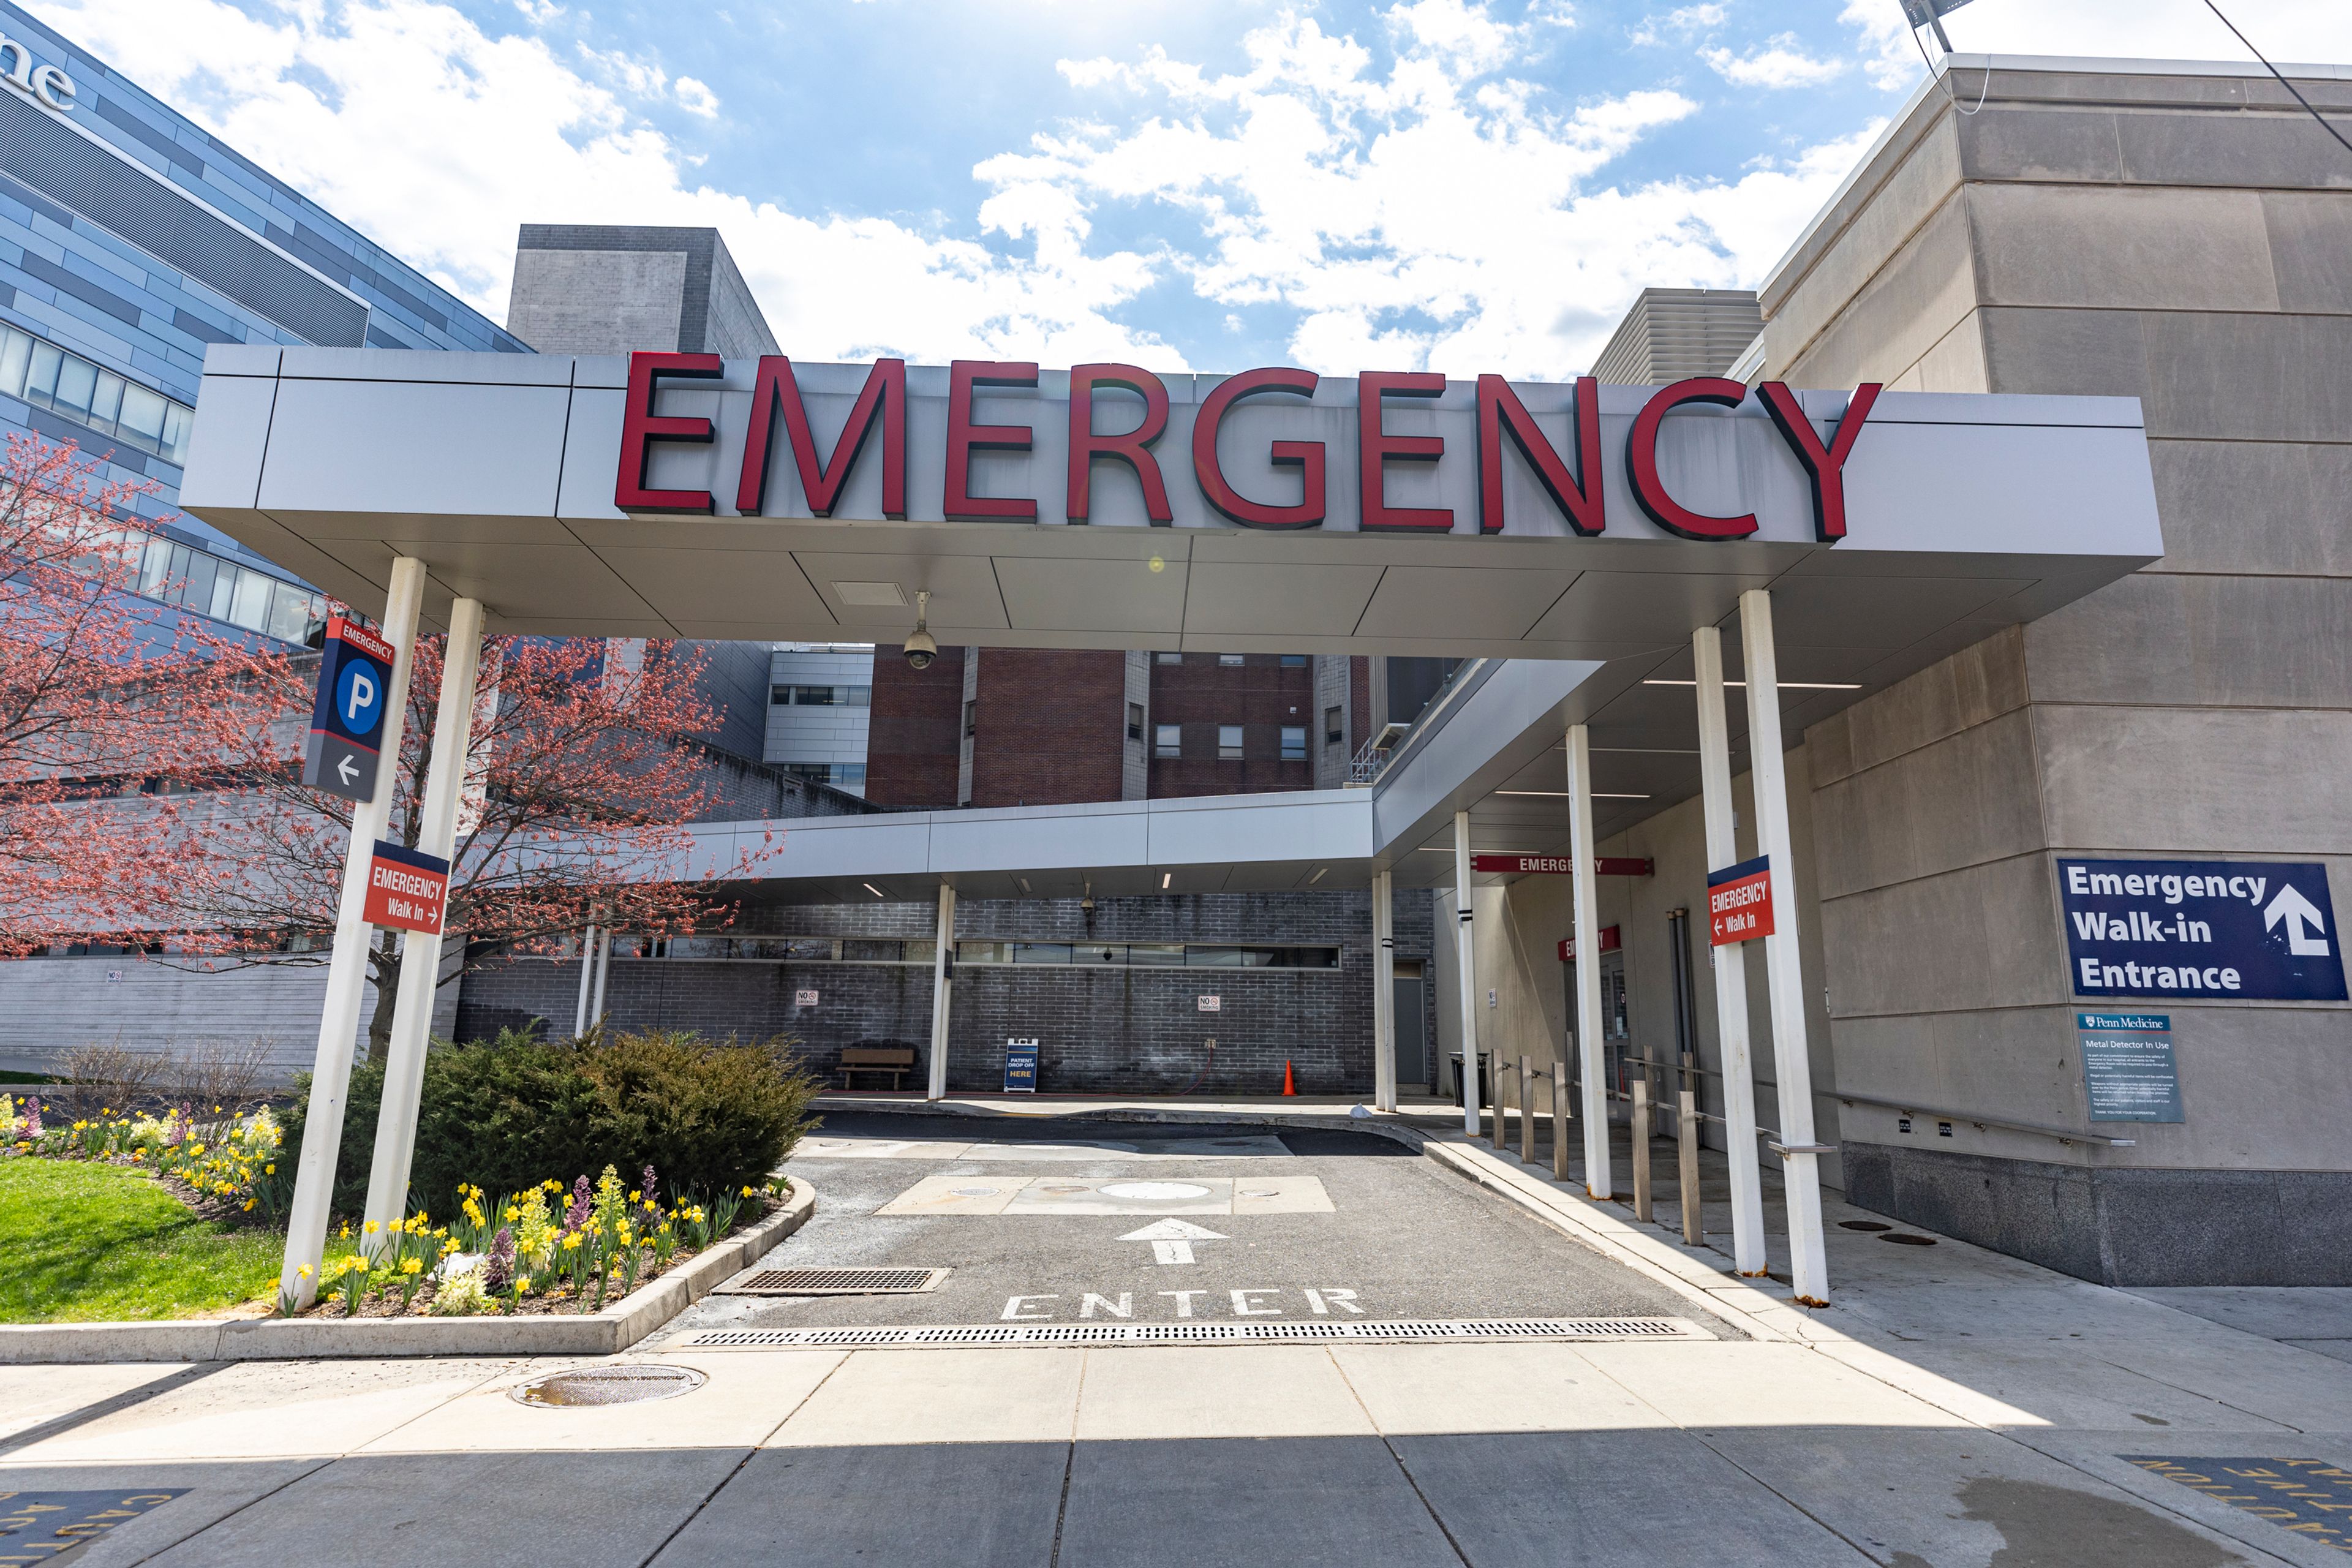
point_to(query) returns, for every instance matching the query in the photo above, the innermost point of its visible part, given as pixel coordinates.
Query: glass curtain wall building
(130, 241)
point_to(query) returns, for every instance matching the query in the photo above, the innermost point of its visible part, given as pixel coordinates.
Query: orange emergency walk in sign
(406, 890)
(1739, 901)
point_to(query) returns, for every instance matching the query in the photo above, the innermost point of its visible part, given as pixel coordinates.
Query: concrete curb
(1386, 1124)
(615, 1329)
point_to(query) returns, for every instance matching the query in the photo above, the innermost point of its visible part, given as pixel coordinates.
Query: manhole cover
(1909, 1240)
(834, 1282)
(1863, 1225)
(1067, 1188)
(609, 1385)
(1154, 1192)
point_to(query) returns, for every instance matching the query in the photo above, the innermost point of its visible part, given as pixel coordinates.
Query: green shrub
(505, 1114)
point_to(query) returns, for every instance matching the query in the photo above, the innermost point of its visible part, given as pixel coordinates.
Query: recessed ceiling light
(1785, 686)
(1319, 875)
(882, 593)
(1164, 879)
(1024, 881)
(872, 889)
(1562, 795)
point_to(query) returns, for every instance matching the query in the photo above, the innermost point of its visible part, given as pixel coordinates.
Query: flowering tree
(110, 704)
(582, 776)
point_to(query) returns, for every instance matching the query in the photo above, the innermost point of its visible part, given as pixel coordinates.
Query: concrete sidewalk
(1953, 1407)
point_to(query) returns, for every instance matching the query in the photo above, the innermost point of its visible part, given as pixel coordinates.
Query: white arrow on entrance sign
(1171, 1239)
(343, 768)
(2295, 910)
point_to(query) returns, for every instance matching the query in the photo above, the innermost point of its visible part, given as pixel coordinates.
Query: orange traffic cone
(1289, 1083)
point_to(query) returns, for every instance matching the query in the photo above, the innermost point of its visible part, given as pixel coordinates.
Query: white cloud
(403, 117)
(1780, 63)
(696, 97)
(2298, 31)
(1438, 211)
(1684, 22)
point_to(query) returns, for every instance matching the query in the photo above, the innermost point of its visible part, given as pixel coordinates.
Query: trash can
(1484, 1097)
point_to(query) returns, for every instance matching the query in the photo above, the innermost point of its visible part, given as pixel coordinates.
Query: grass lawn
(90, 1243)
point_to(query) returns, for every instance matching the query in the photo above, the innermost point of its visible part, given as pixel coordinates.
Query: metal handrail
(2064, 1134)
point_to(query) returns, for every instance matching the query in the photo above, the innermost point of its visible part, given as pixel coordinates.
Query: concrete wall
(51, 1005)
(2186, 238)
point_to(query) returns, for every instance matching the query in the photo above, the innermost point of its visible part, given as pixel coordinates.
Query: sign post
(347, 969)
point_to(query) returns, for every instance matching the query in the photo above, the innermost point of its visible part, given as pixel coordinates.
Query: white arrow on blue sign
(2258, 929)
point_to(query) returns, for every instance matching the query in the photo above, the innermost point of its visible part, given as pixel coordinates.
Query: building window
(1294, 743)
(971, 718)
(1135, 720)
(1293, 661)
(1167, 741)
(1229, 658)
(840, 775)
(227, 591)
(49, 377)
(821, 696)
(1334, 732)
(1229, 742)
(1170, 658)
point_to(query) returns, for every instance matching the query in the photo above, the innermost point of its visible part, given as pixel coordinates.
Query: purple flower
(583, 1206)
(32, 1119)
(497, 1268)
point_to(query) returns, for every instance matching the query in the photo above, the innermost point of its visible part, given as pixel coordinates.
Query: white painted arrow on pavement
(2295, 908)
(1171, 1239)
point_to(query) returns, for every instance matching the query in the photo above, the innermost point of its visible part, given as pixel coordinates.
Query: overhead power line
(2282, 80)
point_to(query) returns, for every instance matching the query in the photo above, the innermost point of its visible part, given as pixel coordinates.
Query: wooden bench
(895, 1060)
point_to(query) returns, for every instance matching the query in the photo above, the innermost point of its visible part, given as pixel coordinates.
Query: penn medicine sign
(1553, 430)
(45, 84)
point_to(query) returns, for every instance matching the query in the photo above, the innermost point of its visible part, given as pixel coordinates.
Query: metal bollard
(1527, 1111)
(1686, 1141)
(1500, 1087)
(1560, 1102)
(1640, 1128)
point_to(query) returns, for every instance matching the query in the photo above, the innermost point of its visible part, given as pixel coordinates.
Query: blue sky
(1205, 184)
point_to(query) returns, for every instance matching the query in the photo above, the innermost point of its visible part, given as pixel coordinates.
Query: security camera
(921, 645)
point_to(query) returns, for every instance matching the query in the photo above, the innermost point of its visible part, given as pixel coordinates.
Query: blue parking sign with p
(347, 716)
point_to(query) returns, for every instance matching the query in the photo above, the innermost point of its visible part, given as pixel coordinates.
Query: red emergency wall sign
(1612, 940)
(1557, 865)
(406, 890)
(1739, 901)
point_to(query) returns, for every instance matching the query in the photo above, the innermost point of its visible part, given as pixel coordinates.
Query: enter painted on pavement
(2310, 1496)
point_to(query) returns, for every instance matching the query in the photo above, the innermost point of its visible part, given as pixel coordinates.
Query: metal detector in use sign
(1739, 901)
(2262, 929)
(406, 890)
(347, 715)
(2128, 1070)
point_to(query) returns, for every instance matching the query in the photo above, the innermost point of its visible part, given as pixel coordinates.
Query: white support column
(1792, 1067)
(1729, 964)
(347, 969)
(1383, 994)
(1586, 896)
(420, 955)
(941, 985)
(1466, 972)
(587, 981)
(604, 972)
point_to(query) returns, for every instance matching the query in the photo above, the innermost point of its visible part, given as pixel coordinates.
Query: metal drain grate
(834, 1282)
(1213, 1334)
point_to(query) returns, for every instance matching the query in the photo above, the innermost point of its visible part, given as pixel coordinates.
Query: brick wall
(1051, 726)
(1105, 1030)
(1261, 694)
(917, 716)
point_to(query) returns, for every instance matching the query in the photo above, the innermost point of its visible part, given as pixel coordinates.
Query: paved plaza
(1953, 1407)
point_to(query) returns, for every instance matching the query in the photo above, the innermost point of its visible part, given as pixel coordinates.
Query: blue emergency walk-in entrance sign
(2255, 930)
(341, 751)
